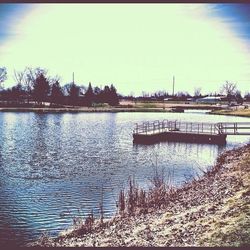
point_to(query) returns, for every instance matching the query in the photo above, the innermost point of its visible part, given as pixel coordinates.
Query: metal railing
(234, 128)
(156, 127)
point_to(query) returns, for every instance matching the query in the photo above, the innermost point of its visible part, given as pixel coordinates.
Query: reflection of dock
(216, 133)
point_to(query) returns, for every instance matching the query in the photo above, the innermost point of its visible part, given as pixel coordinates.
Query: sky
(136, 47)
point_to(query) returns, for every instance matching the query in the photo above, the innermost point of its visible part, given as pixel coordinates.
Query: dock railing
(156, 127)
(234, 128)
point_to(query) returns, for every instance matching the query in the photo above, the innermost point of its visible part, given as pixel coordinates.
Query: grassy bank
(212, 210)
(239, 112)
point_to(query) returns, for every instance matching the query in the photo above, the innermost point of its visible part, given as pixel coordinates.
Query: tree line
(228, 91)
(33, 85)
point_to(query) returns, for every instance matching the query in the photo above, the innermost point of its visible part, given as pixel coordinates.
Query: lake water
(55, 166)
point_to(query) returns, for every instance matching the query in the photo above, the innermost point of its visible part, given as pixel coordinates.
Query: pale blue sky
(137, 47)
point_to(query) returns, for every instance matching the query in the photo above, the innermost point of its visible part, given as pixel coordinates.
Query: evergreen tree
(41, 88)
(97, 94)
(113, 97)
(16, 92)
(74, 91)
(89, 96)
(106, 94)
(56, 93)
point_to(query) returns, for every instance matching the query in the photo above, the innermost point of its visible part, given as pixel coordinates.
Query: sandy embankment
(237, 112)
(211, 211)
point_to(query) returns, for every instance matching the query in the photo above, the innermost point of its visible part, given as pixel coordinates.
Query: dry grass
(238, 112)
(136, 201)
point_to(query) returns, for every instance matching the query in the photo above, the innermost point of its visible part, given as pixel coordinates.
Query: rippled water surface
(54, 166)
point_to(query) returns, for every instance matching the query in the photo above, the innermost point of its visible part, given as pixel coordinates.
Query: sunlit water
(54, 166)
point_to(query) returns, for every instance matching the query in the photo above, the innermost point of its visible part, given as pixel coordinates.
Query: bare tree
(32, 74)
(3, 75)
(19, 77)
(145, 94)
(197, 92)
(54, 79)
(229, 88)
(27, 78)
(182, 93)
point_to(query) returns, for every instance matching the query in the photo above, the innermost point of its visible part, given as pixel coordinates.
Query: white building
(210, 99)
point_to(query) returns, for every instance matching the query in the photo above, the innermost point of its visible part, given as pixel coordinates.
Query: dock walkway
(151, 132)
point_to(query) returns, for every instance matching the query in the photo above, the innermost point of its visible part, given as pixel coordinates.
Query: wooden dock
(215, 133)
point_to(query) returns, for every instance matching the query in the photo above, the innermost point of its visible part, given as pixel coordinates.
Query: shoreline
(140, 107)
(91, 110)
(86, 110)
(167, 109)
(239, 113)
(208, 211)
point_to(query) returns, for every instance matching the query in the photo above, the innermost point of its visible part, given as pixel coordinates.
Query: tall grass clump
(82, 226)
(87, 224)
(136, 200)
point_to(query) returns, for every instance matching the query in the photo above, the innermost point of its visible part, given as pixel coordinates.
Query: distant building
(210, 99)
(168, 99)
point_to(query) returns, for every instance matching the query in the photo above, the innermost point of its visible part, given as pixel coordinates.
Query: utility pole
(173, 85)
(73, 78)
